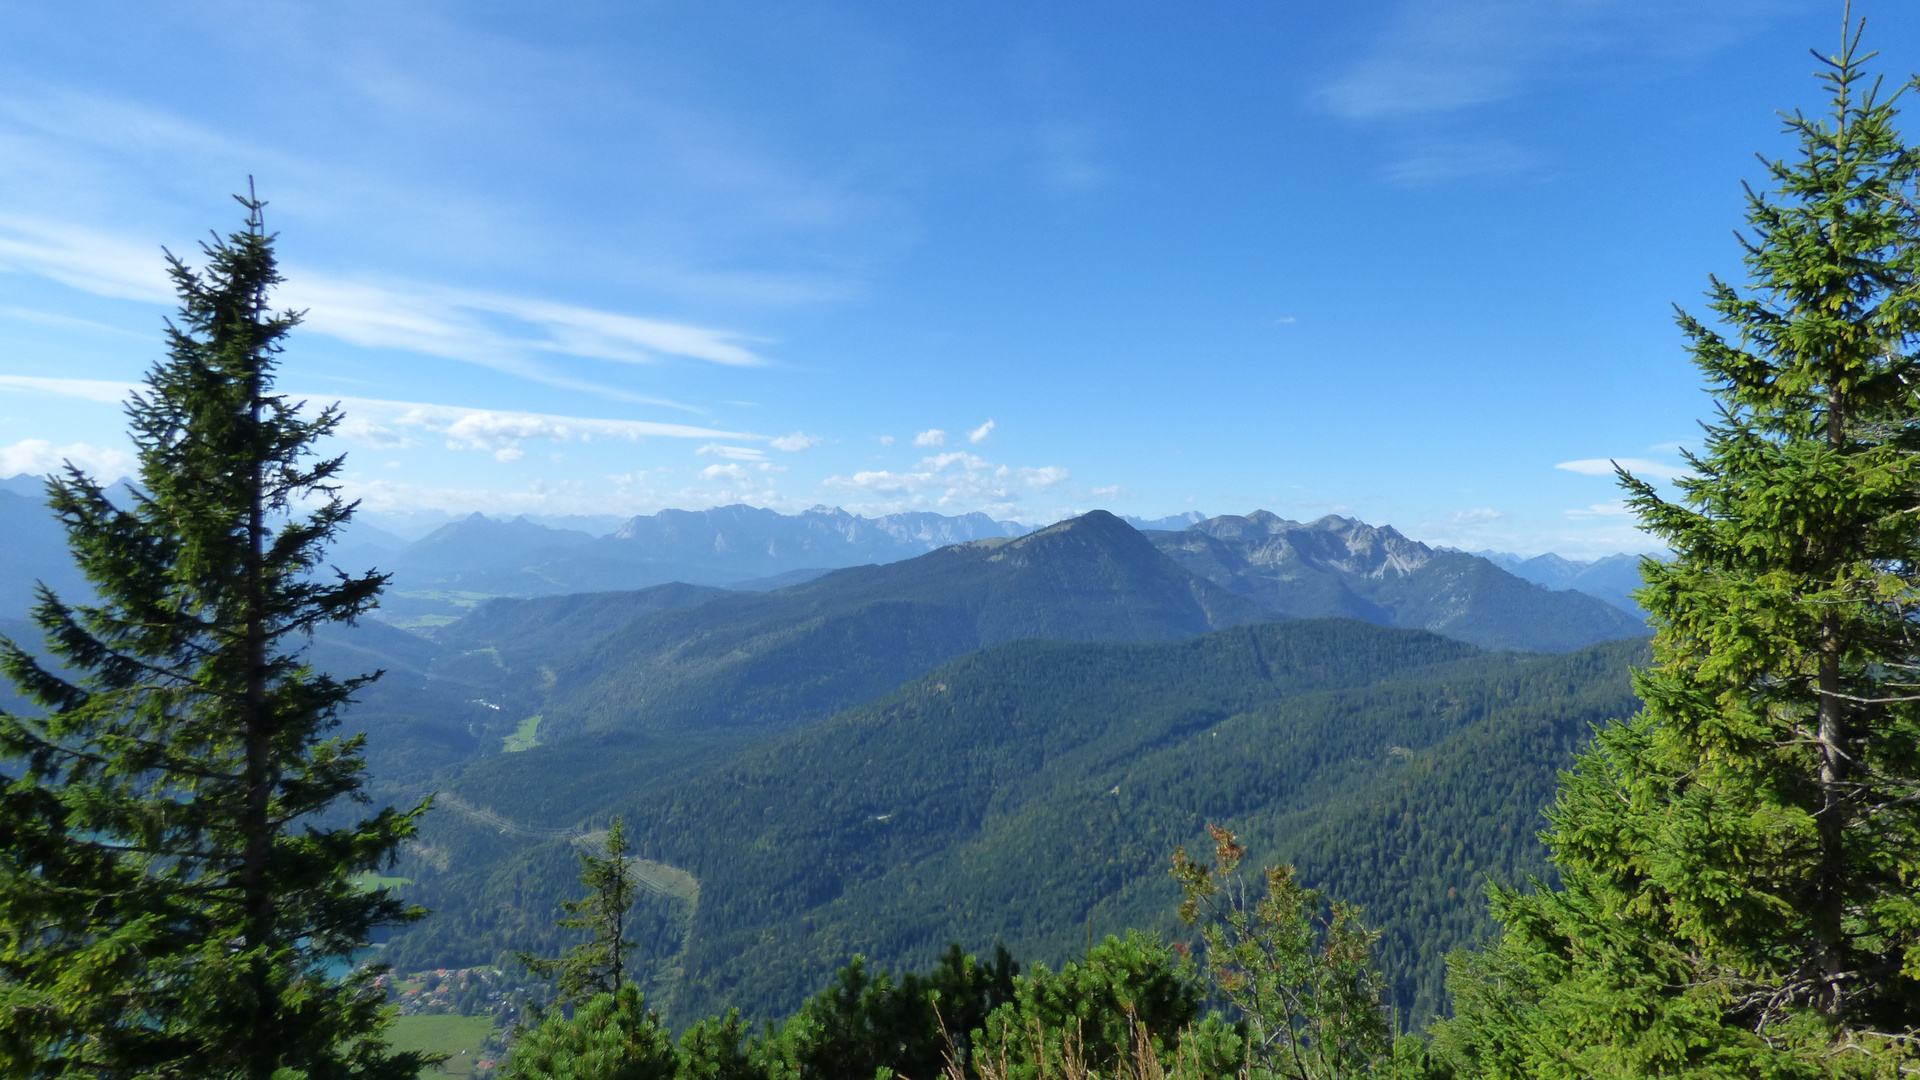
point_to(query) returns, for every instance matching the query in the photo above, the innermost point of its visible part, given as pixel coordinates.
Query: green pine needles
(598, 965)
(175, 859)
(1740, 861)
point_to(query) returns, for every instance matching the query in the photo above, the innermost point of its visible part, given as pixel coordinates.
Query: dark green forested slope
(1027, 789)
(761, 660)
(516, 636)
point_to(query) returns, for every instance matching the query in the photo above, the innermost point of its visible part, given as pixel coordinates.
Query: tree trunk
(1830, 908)
(1835, 803)
(262, 1055)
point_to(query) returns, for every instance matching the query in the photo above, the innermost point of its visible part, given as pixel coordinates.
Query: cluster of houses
(475, 991)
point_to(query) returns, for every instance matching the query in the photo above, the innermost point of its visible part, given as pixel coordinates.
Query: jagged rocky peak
(1374, 551)
(1333, 542)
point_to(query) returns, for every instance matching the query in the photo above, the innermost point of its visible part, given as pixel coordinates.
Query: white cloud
(488, 328)
(1616, 508)
(981, 434)
(931, 437)
(490, 429)
(1044, 477)
(68, 322)
(466, 428)
(506, 333)
(100, 390)
(38, 456)
(83, 259)
(629, 493)
(510, 453)
(1480, 516)
(1639, 467)
(886, 440)
(951, 480)
(965, 460)
(733, 453)
(737, 473)
(364, 432)
(795, 442)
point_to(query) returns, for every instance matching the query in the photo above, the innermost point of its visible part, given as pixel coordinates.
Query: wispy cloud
(981, 434)
(1470, 529)
(364, 432)
(372, 421)
(467, 325)
(496, 429)
(1614, 509)
(101, 390)
(733, 453)
(506, 333)
(83, 259)
(1640, 467)
(1439, 56)
(1433, 160)
(38, 456)
(931, 437)
(1067, 157)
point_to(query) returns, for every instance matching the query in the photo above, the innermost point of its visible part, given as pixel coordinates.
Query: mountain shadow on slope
(1340, 567)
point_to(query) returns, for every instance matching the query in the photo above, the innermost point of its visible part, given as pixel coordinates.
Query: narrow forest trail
(487, 817)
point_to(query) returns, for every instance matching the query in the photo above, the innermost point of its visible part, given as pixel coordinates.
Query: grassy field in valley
(462, 1038)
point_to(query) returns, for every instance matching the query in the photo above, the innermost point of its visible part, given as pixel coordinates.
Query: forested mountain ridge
(1029, 790)
(1346, 568)
(763, 660)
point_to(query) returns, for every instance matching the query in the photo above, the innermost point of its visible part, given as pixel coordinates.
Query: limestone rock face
(1343, 567)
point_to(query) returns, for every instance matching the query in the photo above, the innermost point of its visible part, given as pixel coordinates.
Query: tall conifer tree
(599, 964)
(1741, 862)
(172, 900)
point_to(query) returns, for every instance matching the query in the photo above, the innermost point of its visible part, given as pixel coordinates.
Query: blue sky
(1409, 261)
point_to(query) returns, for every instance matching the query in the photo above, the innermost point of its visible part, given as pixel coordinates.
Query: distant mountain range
(1613, 579)
(1331, 567)
(1342, 567)
(732, 546)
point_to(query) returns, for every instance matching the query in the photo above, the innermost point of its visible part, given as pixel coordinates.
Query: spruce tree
(177, 835)
(598, 965)
(1739, 862)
